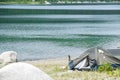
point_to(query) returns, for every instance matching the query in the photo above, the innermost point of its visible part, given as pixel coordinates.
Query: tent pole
(69, 58)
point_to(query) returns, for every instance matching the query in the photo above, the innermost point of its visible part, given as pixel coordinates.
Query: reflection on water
(37, 33)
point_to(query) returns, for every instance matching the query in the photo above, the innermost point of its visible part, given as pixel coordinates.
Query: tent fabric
(115, 52)
(81, 64)
(94, 56)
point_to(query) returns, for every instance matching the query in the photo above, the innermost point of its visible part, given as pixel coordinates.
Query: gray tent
(94, 57)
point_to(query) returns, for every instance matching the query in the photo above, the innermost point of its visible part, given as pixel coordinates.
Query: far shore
(71, 3)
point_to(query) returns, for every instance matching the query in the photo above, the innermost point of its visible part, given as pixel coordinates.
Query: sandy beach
(58, 70)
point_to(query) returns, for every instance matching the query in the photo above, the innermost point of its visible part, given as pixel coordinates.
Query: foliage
(115, 73)
(105, 67)
(56, 1)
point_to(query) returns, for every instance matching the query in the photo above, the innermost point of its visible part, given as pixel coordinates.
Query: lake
(55, 31)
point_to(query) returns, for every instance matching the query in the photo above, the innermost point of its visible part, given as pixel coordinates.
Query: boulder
(8, 57)
(22, 71)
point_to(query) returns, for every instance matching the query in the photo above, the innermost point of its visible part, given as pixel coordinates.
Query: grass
(58, 70)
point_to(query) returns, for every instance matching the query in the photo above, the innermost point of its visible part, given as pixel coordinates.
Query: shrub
(116, 73)
(109, 70)
(105, 67)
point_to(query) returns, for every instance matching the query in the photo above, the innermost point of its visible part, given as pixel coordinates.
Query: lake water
(55, 31)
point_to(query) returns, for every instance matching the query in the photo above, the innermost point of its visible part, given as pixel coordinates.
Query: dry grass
(57, 69)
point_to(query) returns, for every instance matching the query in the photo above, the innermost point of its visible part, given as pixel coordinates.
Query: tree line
(59, 1)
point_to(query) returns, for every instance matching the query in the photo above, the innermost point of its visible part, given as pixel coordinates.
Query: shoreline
(48, 61)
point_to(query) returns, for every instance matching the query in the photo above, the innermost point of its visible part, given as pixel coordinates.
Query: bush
(105, 67)
(116, 73)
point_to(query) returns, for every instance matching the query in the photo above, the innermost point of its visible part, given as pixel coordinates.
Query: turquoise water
(55, 31)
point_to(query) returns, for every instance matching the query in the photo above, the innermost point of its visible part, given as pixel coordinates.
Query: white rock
(100, 51)
(8, 57)
(22, 71)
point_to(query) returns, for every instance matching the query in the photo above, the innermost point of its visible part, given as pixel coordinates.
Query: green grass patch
(57, 72)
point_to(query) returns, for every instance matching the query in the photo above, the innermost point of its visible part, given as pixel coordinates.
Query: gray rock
(8, 57)
(22, 71)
